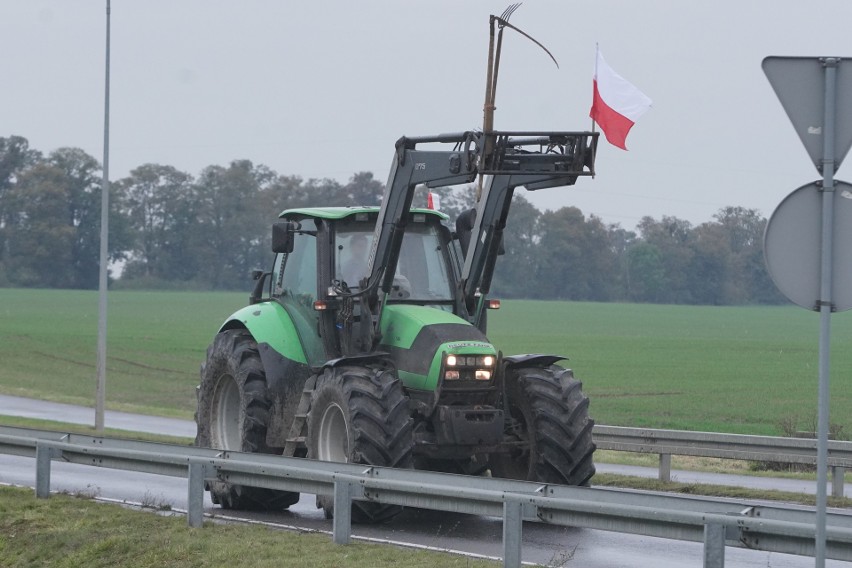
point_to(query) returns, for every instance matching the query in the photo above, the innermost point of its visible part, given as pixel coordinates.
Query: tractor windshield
(422, 270)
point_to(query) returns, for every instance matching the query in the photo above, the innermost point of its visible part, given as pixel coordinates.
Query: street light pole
(100, 391)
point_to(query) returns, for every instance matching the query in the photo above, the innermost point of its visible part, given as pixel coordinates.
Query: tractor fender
(531, 360)
(270, 324)
(284, 361)
(278, 343)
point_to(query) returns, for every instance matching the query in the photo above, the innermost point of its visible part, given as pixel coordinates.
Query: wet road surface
(543, 544)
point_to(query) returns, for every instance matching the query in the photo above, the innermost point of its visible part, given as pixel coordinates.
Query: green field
(722, 369)
(727, 369)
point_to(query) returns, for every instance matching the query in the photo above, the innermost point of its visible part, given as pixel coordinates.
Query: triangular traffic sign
(799, 83)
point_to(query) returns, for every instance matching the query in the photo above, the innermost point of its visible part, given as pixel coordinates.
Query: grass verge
(18, 422)
(66, 531)
(694, 463)
(709, 490)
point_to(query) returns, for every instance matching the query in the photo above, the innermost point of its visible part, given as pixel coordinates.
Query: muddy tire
(360, 415)
(233, 414)
(548, 411)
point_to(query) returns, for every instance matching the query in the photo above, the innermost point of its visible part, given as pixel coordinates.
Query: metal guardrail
(667, 443)
(716, 523)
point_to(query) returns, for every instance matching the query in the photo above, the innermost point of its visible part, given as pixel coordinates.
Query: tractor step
(296, 437)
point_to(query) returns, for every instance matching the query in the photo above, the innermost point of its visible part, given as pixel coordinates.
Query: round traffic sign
(792, 246)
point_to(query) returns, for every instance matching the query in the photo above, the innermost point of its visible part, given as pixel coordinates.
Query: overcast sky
(324, 88)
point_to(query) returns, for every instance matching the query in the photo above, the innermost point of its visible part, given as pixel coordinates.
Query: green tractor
(366, 342)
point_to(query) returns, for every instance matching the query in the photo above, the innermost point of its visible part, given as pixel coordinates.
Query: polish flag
(433, 201)
(617, 104)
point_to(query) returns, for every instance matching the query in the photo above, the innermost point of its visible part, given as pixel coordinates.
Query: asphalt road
(31, 408)
(543, 544)
(42, 410)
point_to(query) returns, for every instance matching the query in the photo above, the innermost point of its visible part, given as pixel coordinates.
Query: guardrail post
(714, 546)
(195, 495)
(44, 454)
(342, 523)
(665, 467)
(513, 527)
(837, 474)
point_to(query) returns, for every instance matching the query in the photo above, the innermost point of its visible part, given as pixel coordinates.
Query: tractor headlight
(469, 367)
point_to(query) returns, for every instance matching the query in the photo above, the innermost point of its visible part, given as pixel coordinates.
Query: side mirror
(282, 236)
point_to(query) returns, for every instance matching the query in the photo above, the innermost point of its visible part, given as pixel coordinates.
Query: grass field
(726, 369)
(156, 343)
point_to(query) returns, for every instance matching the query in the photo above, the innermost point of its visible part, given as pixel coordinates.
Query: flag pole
(595, 78)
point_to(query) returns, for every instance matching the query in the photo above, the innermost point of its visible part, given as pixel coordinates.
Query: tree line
(172, 230)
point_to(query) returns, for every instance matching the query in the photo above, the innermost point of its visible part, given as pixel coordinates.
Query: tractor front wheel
(360, 415)
(233, 414)
(548, 422)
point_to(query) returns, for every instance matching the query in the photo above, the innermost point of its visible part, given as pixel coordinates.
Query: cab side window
(296, 273)
(351, 259)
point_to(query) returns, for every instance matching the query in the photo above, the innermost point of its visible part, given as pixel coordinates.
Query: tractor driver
(355, 268)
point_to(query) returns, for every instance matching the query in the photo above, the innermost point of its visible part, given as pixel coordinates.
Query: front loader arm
(557, 159)
(560, 158)
(410, 168)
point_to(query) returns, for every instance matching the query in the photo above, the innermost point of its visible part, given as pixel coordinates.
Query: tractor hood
(417, 337)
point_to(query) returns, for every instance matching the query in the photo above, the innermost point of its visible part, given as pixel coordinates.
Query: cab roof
(336, 213)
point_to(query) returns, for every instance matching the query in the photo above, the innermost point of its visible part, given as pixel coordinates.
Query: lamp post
(100, 391)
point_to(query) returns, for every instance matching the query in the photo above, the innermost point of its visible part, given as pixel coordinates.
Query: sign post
(825, 305)
(806, 86)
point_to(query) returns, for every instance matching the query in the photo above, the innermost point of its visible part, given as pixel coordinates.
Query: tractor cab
(424, 271)
(322, 268)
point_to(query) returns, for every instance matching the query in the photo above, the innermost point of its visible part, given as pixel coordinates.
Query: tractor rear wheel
(233, 414)
(360, 415)
(549, 413)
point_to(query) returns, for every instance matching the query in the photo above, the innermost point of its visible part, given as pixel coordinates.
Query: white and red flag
(617, 104)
